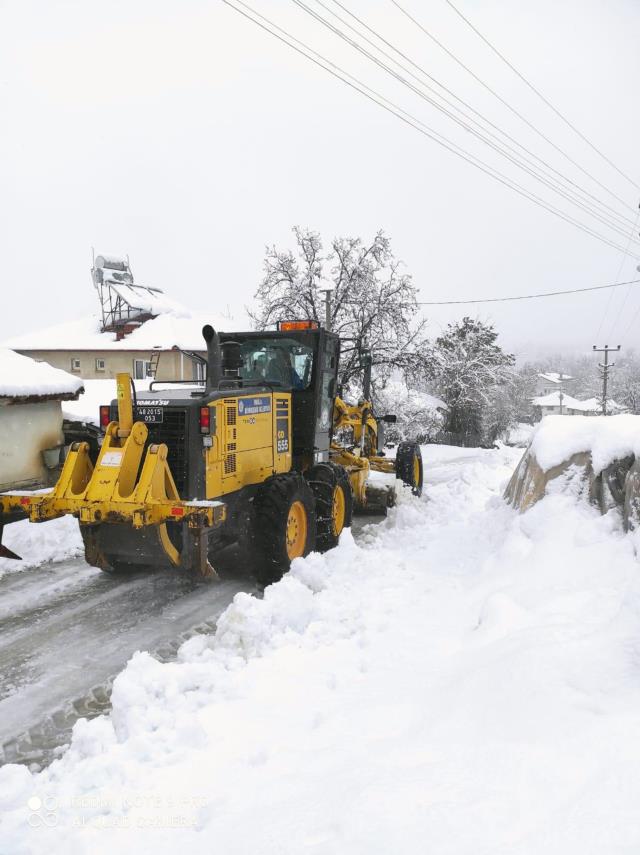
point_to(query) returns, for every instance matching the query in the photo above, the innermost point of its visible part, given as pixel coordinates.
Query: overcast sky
(181, 134)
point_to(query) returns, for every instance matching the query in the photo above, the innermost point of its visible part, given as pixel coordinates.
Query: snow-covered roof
(591, 405)
(595, 405)
(553, 400)
(181, 329)
(21, 377)
(555, 377)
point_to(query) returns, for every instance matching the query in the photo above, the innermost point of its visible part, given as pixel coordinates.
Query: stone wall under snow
(603, 453)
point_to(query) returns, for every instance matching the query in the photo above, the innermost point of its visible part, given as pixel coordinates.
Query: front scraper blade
(118, 547)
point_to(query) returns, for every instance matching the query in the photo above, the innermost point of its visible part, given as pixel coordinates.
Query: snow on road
(36, 544)
(463, 680)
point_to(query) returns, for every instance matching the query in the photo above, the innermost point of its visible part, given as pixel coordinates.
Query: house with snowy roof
(552, 381)
(138, 329)
(31, 420)
(561, 404)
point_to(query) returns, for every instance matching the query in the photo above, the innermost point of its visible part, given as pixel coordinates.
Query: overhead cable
(372, 95)
(562, 177)
(526, 296)
(505, 102)
(522, 163)
(542, 97)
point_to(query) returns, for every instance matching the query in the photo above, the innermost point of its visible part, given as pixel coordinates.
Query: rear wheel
(283, 525)
(409, 466)
(333, 500)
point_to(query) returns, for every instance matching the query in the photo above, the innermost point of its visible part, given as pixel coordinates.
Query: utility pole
(605, 367)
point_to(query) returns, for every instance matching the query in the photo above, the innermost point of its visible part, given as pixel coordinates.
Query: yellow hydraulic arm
(361, 457)
(123, 488)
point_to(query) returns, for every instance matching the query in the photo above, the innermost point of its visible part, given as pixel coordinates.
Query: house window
(142, 369)
(100, 365)
(75, 365)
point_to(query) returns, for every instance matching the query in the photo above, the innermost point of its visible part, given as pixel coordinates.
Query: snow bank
(557, 438)
(464, 681)
(38, 543)
(23, 377)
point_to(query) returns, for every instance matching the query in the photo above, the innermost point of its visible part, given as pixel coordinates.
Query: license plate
(151, 415)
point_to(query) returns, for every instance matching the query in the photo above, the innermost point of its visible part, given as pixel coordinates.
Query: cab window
(283, 362)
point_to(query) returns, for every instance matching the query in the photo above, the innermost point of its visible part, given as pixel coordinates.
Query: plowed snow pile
(467, 680)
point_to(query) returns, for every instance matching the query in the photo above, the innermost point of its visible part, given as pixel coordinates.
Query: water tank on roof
(111, 263)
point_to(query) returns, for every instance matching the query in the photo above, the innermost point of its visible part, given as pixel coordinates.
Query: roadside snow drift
(557, 438)
(39, 543)
(466, 680)
(600, 453)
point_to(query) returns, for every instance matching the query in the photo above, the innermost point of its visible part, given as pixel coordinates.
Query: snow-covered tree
(373, 301)
(420, 415)
(472, 374)
(625, 382)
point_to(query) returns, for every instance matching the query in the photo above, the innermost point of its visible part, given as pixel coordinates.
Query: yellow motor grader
(251, 455)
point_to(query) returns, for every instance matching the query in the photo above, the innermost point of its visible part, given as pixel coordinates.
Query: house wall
(173, 365)
(26, 430)
(546, 387)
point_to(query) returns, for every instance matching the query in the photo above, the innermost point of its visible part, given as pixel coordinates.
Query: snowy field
(464, 681)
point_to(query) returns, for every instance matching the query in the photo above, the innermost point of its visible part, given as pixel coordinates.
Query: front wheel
(409, 466)
(283, 525)
(334, 502)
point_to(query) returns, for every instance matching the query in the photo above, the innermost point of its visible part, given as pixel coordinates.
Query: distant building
(31, 436)
(560, 404)
(139, 330)
(553, 381)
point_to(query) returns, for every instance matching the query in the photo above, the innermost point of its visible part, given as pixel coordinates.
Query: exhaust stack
(214, 362)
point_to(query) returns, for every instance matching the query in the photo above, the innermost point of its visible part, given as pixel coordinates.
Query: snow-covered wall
(25, 431)
(607, 438)
(598, 457)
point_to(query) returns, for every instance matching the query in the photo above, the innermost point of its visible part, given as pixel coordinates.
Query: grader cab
(249, 456)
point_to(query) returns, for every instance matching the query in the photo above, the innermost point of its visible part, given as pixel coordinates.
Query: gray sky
(181, 134)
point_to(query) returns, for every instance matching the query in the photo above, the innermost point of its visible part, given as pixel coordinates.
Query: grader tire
(409, 466)
(334, 502)
(283, 525)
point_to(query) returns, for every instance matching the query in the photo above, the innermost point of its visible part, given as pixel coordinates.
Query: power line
(541, 96)
(630, 325)
(549, 182)
(621, 217)
(527, 296)
(623, 232)
(374, 96)
(504, 102)
(626, 296)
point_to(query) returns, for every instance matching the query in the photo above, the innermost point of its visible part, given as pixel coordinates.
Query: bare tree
(373, 301)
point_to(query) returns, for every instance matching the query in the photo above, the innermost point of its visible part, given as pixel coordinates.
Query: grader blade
(5, 552)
